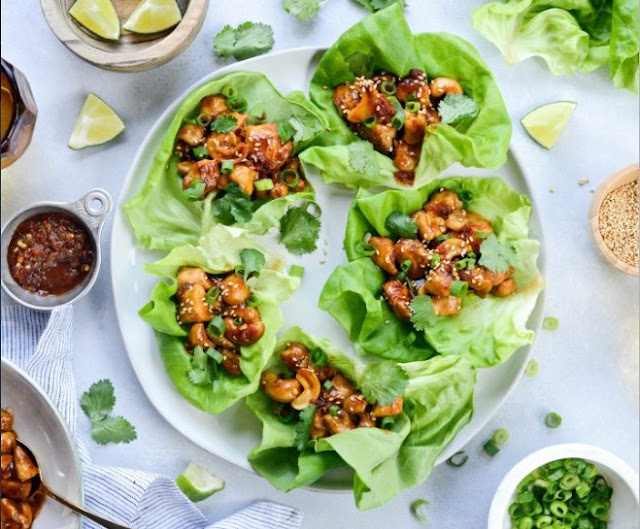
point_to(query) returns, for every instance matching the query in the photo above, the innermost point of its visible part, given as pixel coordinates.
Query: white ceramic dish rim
(505, 491)
(7, 364)
(131, 175)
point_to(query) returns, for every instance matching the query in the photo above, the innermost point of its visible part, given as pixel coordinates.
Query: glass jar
(17, 114)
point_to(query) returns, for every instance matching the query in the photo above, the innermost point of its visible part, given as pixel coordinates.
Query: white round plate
(41, 427)
(233, 433)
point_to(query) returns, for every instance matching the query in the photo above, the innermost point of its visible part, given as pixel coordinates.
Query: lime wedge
(98, 16)
(151, 16)
(197, 484)
(97, 123)
(546, 123)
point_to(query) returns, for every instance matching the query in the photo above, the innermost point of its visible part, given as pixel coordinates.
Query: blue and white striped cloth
(40, 343)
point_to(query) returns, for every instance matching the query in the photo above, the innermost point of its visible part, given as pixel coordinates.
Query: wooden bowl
(616, 180)
(133, 52)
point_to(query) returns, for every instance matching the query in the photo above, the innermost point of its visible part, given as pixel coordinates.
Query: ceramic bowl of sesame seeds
(614, 219)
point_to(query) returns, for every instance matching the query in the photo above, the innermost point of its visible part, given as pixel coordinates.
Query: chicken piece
(482, 280)
(443, 203)
(504, 289)
(438, 280)
(366, 421)
(318, 427)
(453, 247)
(198, 337)
(381, 136)
(184, 167)
(430, 225)
(446, 305)
(194, 275)
(340, 423)
(231, 362)
(296, 356)
(366, 106)
(244, 326)
(192, 307)
(6, 421)
(265, 147)
(390, 410)
(24, 467)
(355, 404)
(346, 97)
(245, 177)
(407, 156)
(226, 146)
(207, 171)
(413, 251)
(8, 442)
(324, 373)
(433, 118)
(192, 135)
(415, 125)
(15, 515)
(475, 223)
(380, 78)
(14, 489)
(342, 387)
(383, 110)
(399, 297)
(212, 107)
(414, 87)
(234, 290)
(385, 255)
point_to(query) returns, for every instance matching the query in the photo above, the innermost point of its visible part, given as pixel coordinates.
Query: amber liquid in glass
(7, 110)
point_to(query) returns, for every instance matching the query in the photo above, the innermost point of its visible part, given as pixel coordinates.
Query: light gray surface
(589, 366)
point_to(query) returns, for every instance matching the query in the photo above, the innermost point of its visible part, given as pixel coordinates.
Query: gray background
(589, 366)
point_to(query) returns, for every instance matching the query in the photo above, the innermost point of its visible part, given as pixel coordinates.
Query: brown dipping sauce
(50, 253)
(7, 100)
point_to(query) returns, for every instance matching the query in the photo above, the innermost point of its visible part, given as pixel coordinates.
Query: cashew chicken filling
(395, 114)
(220, 312)
(220, 148)
(338, 405)
(18, 507)
(441, 261)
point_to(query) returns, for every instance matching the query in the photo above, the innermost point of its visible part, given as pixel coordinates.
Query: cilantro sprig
(300, 229)
(456, 107)
(362, 158)
(97, 403)
(423, 313)
(303, 9)
(496, 256)
(234, 206)
(204, 366)
(247, 40)
(224, 123)
(303, 428)
(382, 382)
(400, 225)
(252, 262)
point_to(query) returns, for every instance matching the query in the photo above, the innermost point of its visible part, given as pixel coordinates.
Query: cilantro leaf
(303, 9)
(400, 225)
(224, 123)
(247, 40)
(303, 428)
(285, 131)
(362, 158)
(496, 256)
(200, 373)
(234, 206)
(423, 313)
(252, 261)
(98, 401)
(299, 230)
(383, 382)
(113, 430)
(457, 106)
(377, 5)
(194, 190)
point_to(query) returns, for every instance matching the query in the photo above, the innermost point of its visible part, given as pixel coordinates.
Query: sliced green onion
(532, 368)
(491, 448)
(333, 410)
(200, 152)
(500, 436)
(582, 490)
(525, 497)
(239, 104)
(405, 265)
(441, 238)
(285, 413)
(599, 510)
(387, 423)
(296, 271)
(471, 255)
(318, 357)
(398, 119)
(290, 177)
(412, 106)
(195, 190)
(212, 295)
(525, 523)
(216, 327)
(552, 420)
(388, 88)
(254, 300)
(418, 508)
(458, 288)
(435, 260)
(364, 248)
(226, 167)
(458, 459)
(412, 97)
(264, 184)
(480, 234)
(229, 92)
(569, 481)
(202, 120)
(370, 122)
(315, 209)
(543, 521)
(465, 195)
(327, 385)
(559, 509)
(238, 321)
(550, 324)
(216, 355)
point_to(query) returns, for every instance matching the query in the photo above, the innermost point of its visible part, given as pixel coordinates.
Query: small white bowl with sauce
(625, 502)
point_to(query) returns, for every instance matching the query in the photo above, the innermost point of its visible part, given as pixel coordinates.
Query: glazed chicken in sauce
(218, 310)
(220, 147)
(395, 114)
(339, 405)
(446, 250)
(18, 470)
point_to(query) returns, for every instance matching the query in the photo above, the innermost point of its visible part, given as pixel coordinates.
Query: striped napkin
(40, 343)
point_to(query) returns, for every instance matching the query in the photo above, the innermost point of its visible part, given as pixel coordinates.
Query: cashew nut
(441, 86)
(311, 385)
(296, 356)
(280, 389)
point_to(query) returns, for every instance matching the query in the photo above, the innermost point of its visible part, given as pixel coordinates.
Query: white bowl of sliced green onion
(567, 486)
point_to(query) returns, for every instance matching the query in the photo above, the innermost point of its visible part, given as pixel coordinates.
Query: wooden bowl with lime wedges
(125, 35)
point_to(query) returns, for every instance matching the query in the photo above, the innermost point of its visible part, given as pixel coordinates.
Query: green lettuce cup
(486, 330)
(198, 377)
(438, 403)
(383, 42)
(162, 216)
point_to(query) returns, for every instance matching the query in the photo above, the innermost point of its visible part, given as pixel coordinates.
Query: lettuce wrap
(160, 214)
(486, 331)
(217, 252)
(569, 35)
(384, 42)
(384, 462)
